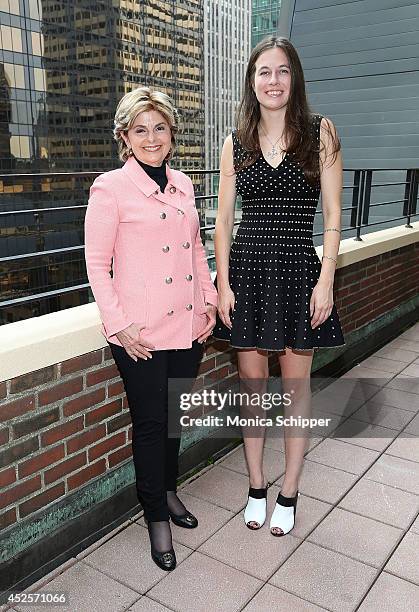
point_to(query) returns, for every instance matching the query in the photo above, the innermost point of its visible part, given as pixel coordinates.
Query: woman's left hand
(211, 318)
(321, 303)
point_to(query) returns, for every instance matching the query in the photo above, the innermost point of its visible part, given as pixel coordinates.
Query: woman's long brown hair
(298, 132)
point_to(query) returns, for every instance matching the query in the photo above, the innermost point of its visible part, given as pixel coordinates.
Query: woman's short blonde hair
(140, 100)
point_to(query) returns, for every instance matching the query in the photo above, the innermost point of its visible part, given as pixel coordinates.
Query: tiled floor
(355, 545)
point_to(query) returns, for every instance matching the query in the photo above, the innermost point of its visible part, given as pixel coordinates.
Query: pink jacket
(161, 278)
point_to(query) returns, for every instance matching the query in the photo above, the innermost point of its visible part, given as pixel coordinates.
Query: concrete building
(265, 18)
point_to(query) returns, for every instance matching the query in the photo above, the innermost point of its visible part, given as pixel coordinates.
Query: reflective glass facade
(63, 68)
(265, 18)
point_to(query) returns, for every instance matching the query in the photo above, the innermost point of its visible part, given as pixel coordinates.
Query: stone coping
(32, 344)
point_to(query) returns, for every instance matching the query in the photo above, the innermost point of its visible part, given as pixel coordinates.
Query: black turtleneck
(157, 173)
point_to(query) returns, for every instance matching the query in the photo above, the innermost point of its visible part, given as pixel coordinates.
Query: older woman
(159, 305)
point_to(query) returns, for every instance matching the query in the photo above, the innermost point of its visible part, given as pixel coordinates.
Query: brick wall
(65, 425)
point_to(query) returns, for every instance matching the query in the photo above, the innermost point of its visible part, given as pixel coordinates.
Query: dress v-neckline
(281, 163)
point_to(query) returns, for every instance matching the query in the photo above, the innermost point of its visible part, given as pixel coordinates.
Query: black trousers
(155, 454)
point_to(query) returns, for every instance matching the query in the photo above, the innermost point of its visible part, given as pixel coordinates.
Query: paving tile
(272, 598)
(88, 591)
(126, 558)
(398, 399)
(349, 388)
(145, 604)
(256, 552)
(405, 383)
(105, 538)
(332, 422)
(36, 586)
(406, 344)
(273, 463)
(323, 482)
(201, 583)
(356, 536)
(405, 446)
(221, 487)
(383, 364)
(411, 334)
(395, 472)
(378, 377)
(415, 526)
(328, 400)
(403, 355)
(404, 561)
(210, 519)
(386, 416)
(391, 594)
(364, 434)
(382, 503)
(412, 369)
(325, 577)
(413, 427)
(310, 512)
(347, 457)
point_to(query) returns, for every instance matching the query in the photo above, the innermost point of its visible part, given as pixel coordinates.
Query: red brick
(120, 421)
(107, 354)
(32, 379)
(4, 435)
(83, 402)
(120, 455)
(98, 376)
(81, 363)
(7, 477)
(18, 451)
(3, 390)
(19, 491)
(216, 374)
(37, 463)
(103, 412)
(65, 467)
(42, 500)
(226, 357)
(86, 474)
(8, 518)
(86, 438)
(61, 431)
(116, 388)
(107, 445)
(53, 394)
(206, 365)
(10, 410)
(35, 423)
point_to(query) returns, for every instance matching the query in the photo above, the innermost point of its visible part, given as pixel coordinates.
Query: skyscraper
(63, 67)
(265, 18)
(227, 36)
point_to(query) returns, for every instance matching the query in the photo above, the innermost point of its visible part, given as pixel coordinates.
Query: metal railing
(34, 209)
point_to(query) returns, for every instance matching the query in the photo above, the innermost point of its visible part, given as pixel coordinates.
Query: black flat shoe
(165, 560)
(187, 520)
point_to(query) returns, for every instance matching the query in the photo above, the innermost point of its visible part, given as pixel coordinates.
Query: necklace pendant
(272, 153)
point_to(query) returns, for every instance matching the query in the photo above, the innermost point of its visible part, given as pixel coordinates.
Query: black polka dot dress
(273, 262)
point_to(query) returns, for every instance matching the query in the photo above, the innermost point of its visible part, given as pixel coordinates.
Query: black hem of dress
(278, 350)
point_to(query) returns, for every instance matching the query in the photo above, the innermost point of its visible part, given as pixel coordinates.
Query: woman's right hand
(226, 302)
(132, 343)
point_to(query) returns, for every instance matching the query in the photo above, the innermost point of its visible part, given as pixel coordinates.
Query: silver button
(186, 245)
(162, 215)
(172, 189)
(170, 312)
(180, 212)
(169, 280)
(189, 307)
(166, 249)
(189, 277)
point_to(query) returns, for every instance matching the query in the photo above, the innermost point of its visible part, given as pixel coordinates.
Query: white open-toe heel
(283, 516)
(255, 511)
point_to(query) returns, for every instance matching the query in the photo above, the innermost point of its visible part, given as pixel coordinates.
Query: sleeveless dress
(273, 264)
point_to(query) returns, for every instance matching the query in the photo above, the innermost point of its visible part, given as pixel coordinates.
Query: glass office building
(265, 18)
(63, 67)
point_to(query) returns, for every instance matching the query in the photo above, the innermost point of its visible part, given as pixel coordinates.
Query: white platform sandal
(283, 516)
(255, 511)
